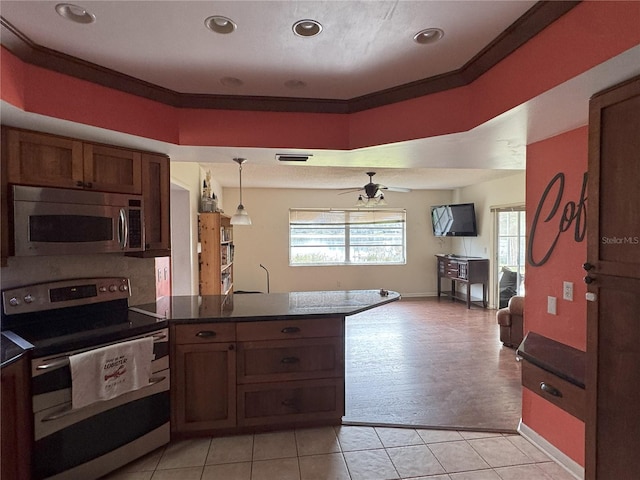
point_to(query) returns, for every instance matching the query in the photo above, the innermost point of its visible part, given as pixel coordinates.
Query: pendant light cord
(240, 165)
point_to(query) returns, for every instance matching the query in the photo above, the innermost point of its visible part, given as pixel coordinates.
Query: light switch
(551, 305)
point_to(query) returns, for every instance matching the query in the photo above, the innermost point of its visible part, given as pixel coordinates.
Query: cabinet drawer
(287, 329)
(556, 390)
(279, 360)
(290, 402)
(204, 333)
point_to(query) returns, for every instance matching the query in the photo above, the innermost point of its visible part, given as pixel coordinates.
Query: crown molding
(536, 19)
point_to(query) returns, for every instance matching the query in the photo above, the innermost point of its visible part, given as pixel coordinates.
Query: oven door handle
(64, 361)
(68, 410)
(56, 363)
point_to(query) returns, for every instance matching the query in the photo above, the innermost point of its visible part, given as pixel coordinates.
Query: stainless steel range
(66, 318)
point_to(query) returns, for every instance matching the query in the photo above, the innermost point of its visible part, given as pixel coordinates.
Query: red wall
(565, 153)
(589, 34)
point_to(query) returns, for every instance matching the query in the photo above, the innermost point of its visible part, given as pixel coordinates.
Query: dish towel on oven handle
(110, 371)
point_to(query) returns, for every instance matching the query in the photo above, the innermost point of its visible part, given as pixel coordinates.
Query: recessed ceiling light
(307, 28)
(231, 82)
(295, 84)
(75, 13)
(428, 35)
(220, 24)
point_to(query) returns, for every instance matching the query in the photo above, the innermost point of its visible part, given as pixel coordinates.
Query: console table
(466, 270)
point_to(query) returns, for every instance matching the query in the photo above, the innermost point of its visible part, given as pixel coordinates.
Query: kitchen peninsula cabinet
(204, 377)
(290, 371)
(44, 160)
(255, 362)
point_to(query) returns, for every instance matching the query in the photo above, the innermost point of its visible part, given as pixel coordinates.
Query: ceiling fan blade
(352, 190)
(398, 189)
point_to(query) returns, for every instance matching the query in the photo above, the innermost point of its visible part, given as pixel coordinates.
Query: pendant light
(241, 217)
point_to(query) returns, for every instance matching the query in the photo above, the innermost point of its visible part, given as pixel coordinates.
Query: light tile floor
(348, 453)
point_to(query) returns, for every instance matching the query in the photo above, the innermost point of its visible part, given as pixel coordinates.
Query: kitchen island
(251, 362)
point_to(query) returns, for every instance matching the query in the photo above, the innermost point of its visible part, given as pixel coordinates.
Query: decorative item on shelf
(241, 217)
(208, 202)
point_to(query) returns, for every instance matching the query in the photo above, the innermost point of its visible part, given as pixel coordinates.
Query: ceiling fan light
(381, 201)
(360, 202)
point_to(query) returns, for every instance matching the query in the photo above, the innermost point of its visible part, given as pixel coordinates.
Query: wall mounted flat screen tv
(456, 220)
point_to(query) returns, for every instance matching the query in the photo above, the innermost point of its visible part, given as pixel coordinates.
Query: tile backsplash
(27, 270)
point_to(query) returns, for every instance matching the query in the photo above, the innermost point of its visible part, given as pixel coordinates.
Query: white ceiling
(365, 46)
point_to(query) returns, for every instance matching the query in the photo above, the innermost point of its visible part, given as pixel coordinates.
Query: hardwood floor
(430, 363)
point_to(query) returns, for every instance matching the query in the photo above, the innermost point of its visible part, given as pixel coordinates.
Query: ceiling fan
(373, 194)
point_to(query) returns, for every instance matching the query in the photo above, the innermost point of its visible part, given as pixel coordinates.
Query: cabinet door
(109, 169)
(613, 263)
(204, 384)
(16, 421)
(43, 160)
(156, 193)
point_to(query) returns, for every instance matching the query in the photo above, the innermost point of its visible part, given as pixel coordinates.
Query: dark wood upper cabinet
(109, 169)
(44, 160)
(157, 214)
(613, 277)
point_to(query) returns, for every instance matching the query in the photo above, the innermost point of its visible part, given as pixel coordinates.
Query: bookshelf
(215, 257)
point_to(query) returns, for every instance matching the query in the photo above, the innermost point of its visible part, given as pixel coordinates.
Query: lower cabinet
(264, 374)
(203, 377)
(16, 426)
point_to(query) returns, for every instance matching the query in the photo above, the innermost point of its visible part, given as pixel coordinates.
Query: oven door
(92, 441)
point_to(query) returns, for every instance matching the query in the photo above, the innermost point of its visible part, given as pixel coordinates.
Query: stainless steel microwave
(59, 221)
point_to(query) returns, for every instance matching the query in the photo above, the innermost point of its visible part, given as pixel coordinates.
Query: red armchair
(511, 320)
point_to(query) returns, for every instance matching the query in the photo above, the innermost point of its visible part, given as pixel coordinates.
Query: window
(346, 237)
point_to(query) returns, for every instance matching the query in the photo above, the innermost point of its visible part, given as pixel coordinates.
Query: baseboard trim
(560, 458)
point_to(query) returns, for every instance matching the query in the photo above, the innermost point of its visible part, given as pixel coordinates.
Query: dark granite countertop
(562, 360)
(266, 306)
(12, 348)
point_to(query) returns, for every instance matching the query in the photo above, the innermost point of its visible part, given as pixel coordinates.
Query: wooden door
(205, 387)
(42, 160)
(156, 193)
(613, 277)
(108, 169)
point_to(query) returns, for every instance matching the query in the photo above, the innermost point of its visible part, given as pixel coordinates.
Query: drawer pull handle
(206, 334)
(290, 330)
(290, 360)
(550, 390)
(289, 403)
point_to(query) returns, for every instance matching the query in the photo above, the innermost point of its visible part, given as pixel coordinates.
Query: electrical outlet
(567, 291)
(551, 305)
